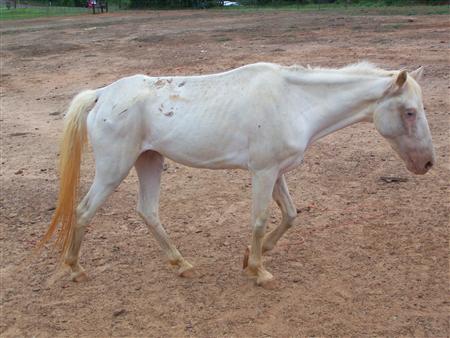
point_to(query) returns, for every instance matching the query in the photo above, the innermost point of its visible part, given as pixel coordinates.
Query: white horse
(260, 117)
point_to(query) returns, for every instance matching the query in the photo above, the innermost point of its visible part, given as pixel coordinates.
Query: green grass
(36, 12)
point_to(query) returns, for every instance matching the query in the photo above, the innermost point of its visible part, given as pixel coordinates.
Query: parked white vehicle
(230, 3)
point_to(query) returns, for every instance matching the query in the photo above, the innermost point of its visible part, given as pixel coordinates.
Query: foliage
(165, 4)
(172, 4)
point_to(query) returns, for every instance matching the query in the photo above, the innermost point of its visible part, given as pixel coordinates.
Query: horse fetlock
(262, 276)
(71, 260)
(254, 265)
(185, 269)
(174, 262)
(289, 220)
(250, 273)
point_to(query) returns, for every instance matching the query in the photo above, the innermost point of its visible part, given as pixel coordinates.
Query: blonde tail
(71, 149)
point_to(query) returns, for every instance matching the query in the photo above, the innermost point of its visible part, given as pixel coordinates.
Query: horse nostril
(428, 165)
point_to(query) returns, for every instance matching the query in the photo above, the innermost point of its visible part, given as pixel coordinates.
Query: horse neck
(331, 101)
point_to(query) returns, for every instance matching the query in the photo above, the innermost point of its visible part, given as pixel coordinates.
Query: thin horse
(260, 117)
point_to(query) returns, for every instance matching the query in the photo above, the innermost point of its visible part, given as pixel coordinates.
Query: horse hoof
(186, 271)
(264, 278)
(270, 284)
(80, 276)
(246, 256)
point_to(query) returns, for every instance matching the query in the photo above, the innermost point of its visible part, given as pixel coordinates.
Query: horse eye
(410, 112)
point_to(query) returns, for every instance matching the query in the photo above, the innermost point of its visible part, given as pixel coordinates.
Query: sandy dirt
(366, 257)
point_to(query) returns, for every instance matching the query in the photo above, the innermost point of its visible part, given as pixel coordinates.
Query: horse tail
(71, 149)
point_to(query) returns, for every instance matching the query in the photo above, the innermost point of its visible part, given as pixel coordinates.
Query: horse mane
(337, 76)
(359, 68)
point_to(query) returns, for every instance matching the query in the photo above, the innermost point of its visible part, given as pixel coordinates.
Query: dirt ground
(366, 257)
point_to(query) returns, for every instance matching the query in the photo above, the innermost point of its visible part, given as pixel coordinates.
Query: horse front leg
(289, 212)
(262, 187)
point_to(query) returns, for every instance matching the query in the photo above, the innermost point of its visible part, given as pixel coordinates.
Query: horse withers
(261, 117)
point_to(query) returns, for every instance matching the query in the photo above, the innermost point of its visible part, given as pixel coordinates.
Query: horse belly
(198, 159)
(198, 142)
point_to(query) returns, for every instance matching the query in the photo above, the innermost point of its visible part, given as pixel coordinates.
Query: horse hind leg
(85, 211)
(107, 177)
(149, 167)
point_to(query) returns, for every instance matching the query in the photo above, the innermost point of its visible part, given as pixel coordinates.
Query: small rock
(119, 312)
(19, 134)
(18, 172)
(393, 179)
(55, 113)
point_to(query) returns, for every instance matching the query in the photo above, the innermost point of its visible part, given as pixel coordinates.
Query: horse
(260, 117)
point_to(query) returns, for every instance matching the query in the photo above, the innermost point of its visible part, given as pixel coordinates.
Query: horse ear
(417, 74)
(401, 78)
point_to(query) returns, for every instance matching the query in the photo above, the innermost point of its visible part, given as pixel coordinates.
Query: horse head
(400, 118)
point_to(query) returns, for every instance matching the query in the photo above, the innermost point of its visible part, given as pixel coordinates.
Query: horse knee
(259, 227)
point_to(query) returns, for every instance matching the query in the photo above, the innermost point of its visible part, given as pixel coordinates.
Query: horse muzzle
(420, 163)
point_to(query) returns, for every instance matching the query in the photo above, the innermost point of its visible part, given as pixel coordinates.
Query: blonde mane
(359, 68)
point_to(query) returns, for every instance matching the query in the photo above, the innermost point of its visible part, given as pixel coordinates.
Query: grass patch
(223, 38)
(394, 26)
(36, 12)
